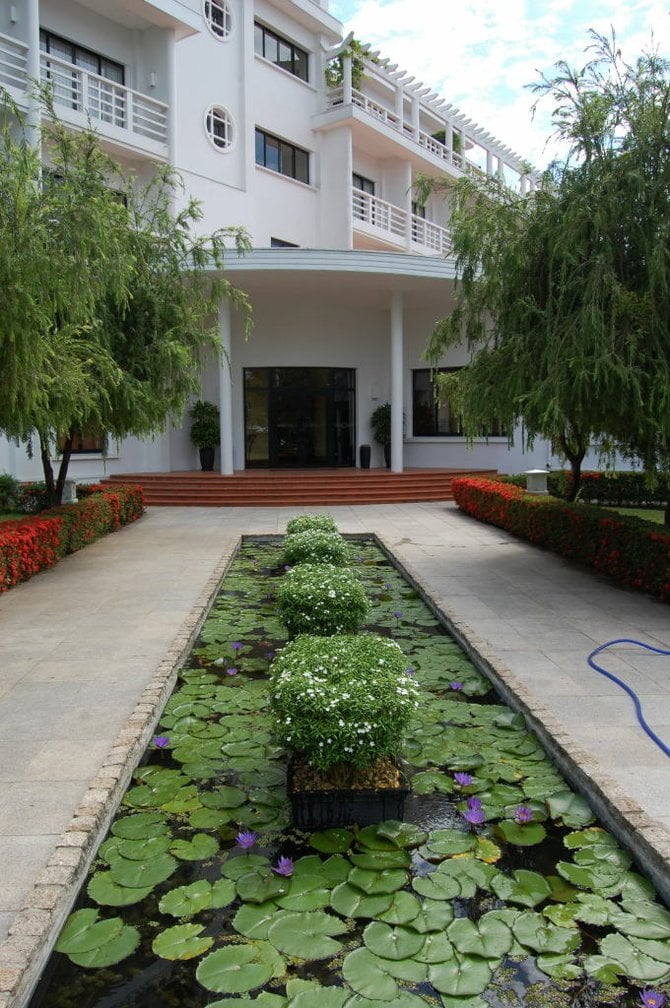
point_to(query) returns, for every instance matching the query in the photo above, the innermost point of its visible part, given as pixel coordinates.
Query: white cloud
(480, 54)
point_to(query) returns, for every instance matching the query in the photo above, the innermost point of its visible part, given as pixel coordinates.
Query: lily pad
(306, 935)
(202, 846)
(184, 941)
(140, 874)
(392, 942)
(187, 900)
(332, 841)
(461, 976)
(112, 952)
(527, 888)
(351, 902)
(140, 826)
(366, 974)
(489, 937)
(84, 932)
(522, 835)
(104, 890)
(570, 809)
(386, 880)
(234, 969)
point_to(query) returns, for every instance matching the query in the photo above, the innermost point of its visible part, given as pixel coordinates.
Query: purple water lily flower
(652, 998)
(474, 802)
(270, 655)
(463, 779)
(410, 671)
(231, 671)
(236, 645)
(474, 816)
(455, 685)
(398, 614)
(245, 839)
(161, 741)
(284, 866)
(524, 814)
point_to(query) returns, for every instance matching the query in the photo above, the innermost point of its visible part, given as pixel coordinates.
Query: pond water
(498, 888)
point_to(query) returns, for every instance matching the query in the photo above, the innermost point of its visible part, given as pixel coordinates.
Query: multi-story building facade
(347, 275)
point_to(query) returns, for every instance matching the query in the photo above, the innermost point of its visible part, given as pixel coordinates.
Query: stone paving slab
(90, 649)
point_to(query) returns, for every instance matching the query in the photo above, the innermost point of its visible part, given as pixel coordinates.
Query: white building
(347, 275)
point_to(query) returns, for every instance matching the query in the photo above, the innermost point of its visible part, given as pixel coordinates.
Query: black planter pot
(325, 809)
(387, 456)
(364, 452)
(207, 458)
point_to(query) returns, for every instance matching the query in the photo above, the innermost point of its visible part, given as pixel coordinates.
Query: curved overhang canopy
(354, 277)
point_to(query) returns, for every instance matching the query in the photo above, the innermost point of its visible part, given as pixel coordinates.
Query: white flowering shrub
(311, 523)
(321, 599)
(341, 699)
(316, 546)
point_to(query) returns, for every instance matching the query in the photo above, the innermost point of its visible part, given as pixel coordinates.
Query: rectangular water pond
(499, 887)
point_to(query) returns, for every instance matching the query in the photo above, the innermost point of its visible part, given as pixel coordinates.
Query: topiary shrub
(10, 490)
(321, 599)
(306, 523)
(315, 546)
(341, 700)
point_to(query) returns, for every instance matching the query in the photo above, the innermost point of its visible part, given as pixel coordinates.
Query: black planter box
(325, 809)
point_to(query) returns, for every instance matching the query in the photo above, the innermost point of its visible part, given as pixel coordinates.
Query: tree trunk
(575, 456)
(55, 485)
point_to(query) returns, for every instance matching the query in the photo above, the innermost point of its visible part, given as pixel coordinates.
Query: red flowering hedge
(626, 549)
(38, 541)
(609, 487)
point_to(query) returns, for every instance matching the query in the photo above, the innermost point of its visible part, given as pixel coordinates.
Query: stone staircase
(295, 487)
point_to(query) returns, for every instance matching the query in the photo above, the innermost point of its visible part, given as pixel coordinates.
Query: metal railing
(397, 225)
(13, 63)
(104, 100)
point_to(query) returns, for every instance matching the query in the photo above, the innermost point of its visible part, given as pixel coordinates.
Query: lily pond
(498, 888)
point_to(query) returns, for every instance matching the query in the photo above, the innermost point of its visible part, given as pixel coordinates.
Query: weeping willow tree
(108, 296)
(563, 295)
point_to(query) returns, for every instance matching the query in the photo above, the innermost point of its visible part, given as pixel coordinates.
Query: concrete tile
(21, 865)
(38, 808)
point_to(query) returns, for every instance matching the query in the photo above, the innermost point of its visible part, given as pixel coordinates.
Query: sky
(480, 55)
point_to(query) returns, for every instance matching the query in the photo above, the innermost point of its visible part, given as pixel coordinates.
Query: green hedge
(627, 549)
(616, 488)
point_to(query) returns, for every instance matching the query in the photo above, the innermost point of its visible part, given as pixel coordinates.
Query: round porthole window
(219, 125)
(218, 17)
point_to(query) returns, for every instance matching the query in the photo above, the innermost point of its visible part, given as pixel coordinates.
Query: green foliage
(341, 699)
(316, 547)
(205, 430)
(380, 422)
(334, 71)
(321, 599)
(626, 549)
(308, 523)
(563, 295)
(107, 306)
(10, 492)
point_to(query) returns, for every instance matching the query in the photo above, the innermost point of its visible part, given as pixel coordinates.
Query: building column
(347, 80)
(33, 70)
(225, 391)
(396, 381)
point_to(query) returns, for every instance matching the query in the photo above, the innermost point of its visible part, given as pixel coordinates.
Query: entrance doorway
(299, 417)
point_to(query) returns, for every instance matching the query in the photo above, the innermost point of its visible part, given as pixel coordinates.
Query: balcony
(13, 65)
(116, 111)
(390, 224)
(381, 114)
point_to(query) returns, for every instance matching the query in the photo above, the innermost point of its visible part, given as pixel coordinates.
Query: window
(280, 243)
(218, 17)
(365, 184)
(219, 127)
(280, 51)
(89, 441)
(282, 157)
(106, 100)
(433, 419)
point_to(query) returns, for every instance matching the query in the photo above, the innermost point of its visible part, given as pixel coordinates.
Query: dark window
(279, 50)
(280, 156)
(85, 58)
(365, 184)
(280, 243)
(433, 419)
(90, 441)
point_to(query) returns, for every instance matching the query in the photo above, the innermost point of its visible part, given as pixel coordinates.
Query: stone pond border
(35, 929)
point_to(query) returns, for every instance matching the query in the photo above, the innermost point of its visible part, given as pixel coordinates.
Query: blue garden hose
(631, 692)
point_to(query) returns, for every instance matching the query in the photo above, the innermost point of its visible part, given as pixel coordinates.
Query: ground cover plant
(499, 887)
(321, 599)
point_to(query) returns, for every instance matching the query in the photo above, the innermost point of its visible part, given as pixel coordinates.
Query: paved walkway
(88, 652)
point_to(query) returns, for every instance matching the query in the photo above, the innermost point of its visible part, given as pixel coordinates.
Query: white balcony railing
(392, 223)
(376, 111)
(104, 100)
(13, 63)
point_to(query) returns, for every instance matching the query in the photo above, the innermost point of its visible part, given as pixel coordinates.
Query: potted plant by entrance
(205, 431)
(380, 421)
(340, 705)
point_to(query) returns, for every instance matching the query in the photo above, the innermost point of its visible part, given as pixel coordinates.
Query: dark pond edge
(35, 929)
(647, 841)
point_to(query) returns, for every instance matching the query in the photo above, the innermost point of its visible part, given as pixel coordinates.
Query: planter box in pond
(322, 809)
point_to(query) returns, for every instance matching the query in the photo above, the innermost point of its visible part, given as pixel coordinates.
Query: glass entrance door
(299, 417)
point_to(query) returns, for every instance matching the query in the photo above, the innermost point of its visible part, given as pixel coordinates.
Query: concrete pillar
(346, 79)
(396, 381)
(225, 391)
(32, 37)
